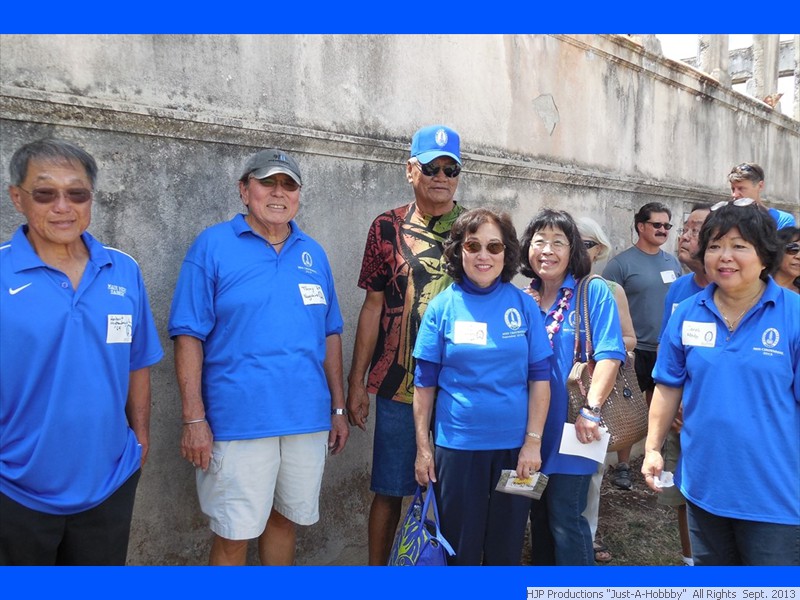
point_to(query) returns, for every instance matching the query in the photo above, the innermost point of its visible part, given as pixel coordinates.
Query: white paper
(664, 481)
(595, 450)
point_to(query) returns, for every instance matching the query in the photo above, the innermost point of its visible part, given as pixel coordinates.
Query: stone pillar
(765, 65)
(797, 77)
(713, 57)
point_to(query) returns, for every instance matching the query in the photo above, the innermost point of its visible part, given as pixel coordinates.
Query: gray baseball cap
(269, 162)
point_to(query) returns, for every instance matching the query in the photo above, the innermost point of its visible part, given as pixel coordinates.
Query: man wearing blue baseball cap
(399, 284)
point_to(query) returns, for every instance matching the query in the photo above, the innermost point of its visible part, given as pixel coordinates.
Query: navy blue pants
(483, 526)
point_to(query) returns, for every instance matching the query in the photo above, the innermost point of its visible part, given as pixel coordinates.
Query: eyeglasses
(792, 249)
(692, 233)
(666, 226)
(589, 244)
(739, 202)
(555, 244)
(289, 184)
(473, 247)
(431, 170)
(48, 195)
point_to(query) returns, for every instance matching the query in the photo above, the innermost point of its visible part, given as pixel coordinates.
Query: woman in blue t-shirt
(553, 254)
(482, 343)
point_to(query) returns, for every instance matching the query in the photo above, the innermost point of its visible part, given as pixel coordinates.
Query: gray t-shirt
(645, 279)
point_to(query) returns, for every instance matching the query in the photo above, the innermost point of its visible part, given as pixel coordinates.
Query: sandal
(601, 553)
(622, 477)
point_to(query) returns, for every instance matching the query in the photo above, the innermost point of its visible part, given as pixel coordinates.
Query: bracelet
(192, 422)
(338, 411)
(534, 435)
(589, 416)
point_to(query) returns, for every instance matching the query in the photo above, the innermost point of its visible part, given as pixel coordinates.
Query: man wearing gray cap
(402, 270)
(258, 355)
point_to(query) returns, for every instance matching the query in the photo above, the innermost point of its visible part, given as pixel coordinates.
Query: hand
(533, 293)
(677, 423)
(424, 467)
(530, 459)
(651, 468)
(586, 431)
(358, 405)
(196, 442)
(337, 437)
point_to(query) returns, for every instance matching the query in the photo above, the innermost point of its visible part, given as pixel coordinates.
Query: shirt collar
(24, 257)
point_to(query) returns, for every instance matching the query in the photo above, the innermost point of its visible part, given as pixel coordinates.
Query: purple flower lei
(558, 314)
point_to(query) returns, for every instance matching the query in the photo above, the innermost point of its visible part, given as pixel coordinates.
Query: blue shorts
(394, 449)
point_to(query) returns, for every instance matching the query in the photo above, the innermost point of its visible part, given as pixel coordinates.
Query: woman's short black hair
(469, 222)
(579, 262)
(755, 225)
(787, 235)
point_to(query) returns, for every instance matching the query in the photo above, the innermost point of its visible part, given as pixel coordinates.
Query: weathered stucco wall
(591, 124)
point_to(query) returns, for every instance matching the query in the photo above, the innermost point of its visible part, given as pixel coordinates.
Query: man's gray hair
(53, 151)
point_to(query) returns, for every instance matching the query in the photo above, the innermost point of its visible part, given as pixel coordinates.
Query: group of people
(469, 372)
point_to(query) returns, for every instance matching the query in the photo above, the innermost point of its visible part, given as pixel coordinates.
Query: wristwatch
(594, 409)
(338, 411)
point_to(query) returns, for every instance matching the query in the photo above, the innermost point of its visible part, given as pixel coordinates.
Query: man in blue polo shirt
(77, 339)
(258, 355)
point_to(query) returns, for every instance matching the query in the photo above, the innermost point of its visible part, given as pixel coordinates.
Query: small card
(120, 329)
(469, 332)
(594, 450)
(532, 487)
(668, 276)
(311, 293)
(694, 333)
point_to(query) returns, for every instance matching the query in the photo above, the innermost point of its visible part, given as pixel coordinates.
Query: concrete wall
(592, 124)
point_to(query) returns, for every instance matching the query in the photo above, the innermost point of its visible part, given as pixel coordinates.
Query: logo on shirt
(116, 290)
(307, 259)
(770, 338)
(15, 291)
(513, 319)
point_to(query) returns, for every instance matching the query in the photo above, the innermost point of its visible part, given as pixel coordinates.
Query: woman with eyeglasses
(553, 254)
(731, 354)
(788, 273)
(482, 351)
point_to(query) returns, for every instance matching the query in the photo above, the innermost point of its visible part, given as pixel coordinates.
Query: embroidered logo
(513, 319)
(441, 138)
(15, 291)
(116, 290)
(770, 338)
(307, 259)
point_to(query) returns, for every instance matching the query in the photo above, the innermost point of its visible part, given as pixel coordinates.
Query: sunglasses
(289, 184)
(48, 195)
(738, 202)
(666, 226)
(432, 170)
(589, 244)
(792, 249)
(692, 233)
(473, 247)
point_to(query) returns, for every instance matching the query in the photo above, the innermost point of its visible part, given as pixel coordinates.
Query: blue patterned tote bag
(419, 541)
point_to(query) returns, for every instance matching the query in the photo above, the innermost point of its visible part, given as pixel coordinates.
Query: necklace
(557, 314)
(283, 240)
(732, 324)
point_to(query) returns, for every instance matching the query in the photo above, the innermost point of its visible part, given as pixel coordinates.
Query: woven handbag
(624, 413)
(419, 541)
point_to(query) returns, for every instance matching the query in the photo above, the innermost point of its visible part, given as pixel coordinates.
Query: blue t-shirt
(263, 318)
(683, 287)
(741, 405)
(782, 218)
(608, 344)
(66, 356)
(485, 344)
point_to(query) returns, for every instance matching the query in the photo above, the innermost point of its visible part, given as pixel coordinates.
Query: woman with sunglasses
(482, 343)
(731, 354)
(553, 254)
(788, 274)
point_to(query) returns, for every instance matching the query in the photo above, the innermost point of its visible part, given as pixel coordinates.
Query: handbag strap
(430, 499)
(582, 317)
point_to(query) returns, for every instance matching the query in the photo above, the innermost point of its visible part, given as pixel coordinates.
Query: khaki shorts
(671, 452)
(248, 478)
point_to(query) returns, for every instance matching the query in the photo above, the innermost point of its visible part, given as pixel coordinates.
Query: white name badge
(698, 334)
(312, 293)
(668, 276)
(469, 332)
(120, 329)
(674, 306)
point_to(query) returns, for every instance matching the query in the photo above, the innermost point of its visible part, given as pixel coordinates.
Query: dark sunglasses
(792, 249)
(48, 195)
(666, 226)
(432, 170)
(737, 202)
(289, 184)
(589, 244)
(473, 247)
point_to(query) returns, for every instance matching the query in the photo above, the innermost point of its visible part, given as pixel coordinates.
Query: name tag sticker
(668, 276)
(469, 332)
(120, 329)
(674, 306)
(699, 334)
(311, 293)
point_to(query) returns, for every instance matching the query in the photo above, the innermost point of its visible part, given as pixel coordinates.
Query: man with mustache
(645, 272)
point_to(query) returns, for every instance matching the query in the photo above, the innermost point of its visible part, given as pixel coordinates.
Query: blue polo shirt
(681, 289)
(485, 344)
(741, 405)
(65, 358)
(608, 344)
(782, 218)
(263, 318)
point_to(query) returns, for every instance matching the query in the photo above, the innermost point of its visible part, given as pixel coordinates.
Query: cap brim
(426, 157)
(269, 171)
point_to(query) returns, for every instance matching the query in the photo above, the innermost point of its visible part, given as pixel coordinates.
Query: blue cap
(434, 141)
